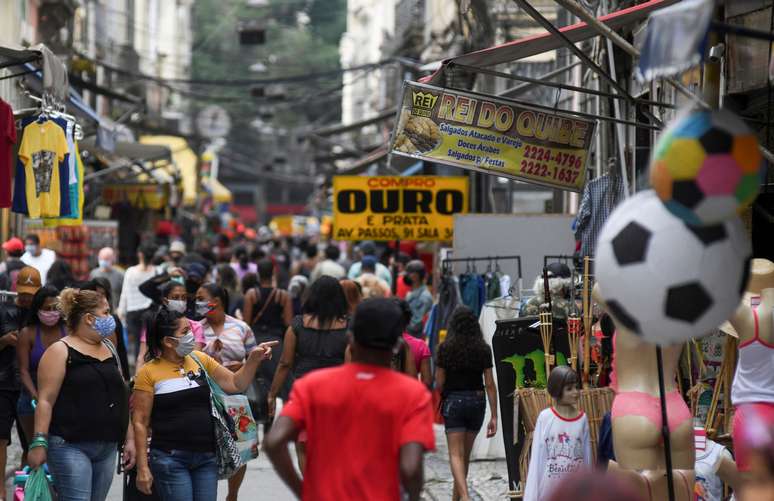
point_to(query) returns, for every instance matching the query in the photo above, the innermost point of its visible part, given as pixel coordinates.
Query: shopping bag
(37, 487)
(227, 453)
(246, 430)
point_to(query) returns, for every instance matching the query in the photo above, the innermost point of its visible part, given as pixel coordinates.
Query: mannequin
(636, 414)
(752, 392)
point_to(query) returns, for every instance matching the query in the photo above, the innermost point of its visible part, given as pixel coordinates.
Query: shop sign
(494, 136)
(397, 208)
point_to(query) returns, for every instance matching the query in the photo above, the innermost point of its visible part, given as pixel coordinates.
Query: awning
(184, 158)
(131, 150)
(220, 194)
(544, 42)
(13, 57)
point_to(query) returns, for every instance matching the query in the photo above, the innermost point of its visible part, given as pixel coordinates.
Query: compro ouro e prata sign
(491, 135)
(397, 208)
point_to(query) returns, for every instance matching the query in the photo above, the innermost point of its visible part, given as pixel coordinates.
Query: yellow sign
(397, 208)
(492, 135)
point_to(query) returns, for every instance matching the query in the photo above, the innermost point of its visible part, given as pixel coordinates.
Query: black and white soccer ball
(664, 280)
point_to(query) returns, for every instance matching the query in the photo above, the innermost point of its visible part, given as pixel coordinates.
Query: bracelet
(38, 442)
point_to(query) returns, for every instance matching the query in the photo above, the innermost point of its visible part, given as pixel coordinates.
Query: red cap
(13, 245)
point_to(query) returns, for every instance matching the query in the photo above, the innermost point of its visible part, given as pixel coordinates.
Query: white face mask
(177, 305)
(32, 249)
(185, 344)
(105, 263)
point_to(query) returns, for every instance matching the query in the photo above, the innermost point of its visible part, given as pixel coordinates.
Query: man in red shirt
(367, 425)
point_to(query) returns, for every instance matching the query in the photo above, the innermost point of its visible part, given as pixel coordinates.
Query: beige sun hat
(761, 277)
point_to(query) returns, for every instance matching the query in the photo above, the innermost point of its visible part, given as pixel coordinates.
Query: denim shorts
(24, 404)
(463, 411)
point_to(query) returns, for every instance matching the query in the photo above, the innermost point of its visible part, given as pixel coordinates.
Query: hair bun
(67, 301)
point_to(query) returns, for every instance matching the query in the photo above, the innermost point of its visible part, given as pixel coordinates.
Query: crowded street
(387, 250)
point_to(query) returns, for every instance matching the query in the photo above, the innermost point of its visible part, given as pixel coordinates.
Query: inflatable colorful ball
(664, 280)
(707, 167)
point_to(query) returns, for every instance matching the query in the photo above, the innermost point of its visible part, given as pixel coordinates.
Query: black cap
(557, 269)
(378, 323)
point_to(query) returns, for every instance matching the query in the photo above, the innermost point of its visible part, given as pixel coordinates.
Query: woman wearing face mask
(229, 342)
(83, 413)
(101, 286)
(173, 297)
(44, 328)
(172, 398)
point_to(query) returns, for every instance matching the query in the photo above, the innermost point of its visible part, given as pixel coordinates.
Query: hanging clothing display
(43, 147)
(64, 183)
(7, 140)
(600, 197)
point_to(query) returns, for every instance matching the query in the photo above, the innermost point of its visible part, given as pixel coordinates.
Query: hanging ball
(707, 167)
(667, 281)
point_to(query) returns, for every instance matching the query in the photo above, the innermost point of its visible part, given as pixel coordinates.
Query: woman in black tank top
(82, 402)
(315, 340)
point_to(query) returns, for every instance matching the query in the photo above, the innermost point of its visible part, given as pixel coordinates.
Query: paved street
(488, 478)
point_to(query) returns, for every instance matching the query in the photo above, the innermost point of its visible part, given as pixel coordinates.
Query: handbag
(236, 434)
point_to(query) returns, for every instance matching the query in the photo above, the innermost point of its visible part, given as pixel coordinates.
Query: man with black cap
(368, 426)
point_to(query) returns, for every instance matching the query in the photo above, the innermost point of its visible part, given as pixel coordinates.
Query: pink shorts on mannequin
(637, 403)
(749, 421)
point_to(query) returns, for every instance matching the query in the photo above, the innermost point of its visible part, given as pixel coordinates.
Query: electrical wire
(239, 82)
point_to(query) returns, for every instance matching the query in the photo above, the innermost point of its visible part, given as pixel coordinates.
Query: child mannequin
(560, 444)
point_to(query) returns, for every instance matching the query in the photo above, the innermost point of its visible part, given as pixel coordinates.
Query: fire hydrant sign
(494, 136)
(397, 208)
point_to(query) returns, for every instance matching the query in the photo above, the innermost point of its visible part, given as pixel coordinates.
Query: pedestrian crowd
(126, 370)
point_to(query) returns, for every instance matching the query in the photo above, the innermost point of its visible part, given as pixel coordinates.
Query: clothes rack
(446, 264)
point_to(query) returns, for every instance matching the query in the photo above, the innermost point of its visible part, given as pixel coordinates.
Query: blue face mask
(104, 326)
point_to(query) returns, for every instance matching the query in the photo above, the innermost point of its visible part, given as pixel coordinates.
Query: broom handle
(586, 322)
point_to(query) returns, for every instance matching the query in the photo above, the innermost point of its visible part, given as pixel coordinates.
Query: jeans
(184, 475)
(82, 471)
(134, 326)
(464, 411)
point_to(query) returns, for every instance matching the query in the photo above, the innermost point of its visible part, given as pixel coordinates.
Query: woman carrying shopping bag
(175, 393)
(83, 410)
(229, 341)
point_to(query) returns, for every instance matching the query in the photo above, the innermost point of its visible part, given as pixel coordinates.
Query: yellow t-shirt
(151, 375)
(43, 146)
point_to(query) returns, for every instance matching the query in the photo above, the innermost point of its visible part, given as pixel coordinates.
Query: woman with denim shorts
(82, 414)
(463, 375)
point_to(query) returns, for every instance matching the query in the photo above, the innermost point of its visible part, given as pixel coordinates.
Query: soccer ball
(707, 167)
(665, 280)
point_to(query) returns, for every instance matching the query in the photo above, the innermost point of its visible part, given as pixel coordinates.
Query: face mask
(177, 305)
(31, 249)
(104, 263)
(105, 326)
(185, 344)
(177, 280)
(49, 318)
(203, 307)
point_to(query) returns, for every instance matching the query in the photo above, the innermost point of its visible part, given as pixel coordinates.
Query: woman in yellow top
(172, 398)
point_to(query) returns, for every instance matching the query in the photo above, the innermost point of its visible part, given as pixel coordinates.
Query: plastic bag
(238, 407)
(37, 487)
